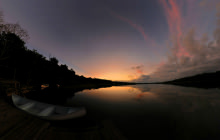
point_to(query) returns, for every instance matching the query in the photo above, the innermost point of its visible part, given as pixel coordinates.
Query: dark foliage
(31, 68)
(206, 80)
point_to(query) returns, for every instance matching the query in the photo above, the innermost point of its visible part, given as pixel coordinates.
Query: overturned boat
(47, 111)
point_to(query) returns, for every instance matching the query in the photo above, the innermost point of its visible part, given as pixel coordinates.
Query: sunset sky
(141, 40)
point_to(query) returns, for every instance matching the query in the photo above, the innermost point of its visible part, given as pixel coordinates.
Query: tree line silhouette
(204, 80)
(29, 67)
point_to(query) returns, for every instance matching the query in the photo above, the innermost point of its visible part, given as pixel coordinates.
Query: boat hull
(47, 111)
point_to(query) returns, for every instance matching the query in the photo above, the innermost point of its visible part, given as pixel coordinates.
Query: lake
(155, 111)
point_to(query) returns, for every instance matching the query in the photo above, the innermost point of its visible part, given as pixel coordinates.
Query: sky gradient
(140, 40)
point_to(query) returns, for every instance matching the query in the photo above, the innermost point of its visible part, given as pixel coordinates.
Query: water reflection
(156, 110)
(184, 99)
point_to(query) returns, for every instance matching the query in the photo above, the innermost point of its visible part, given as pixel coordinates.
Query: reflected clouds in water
(186, 99)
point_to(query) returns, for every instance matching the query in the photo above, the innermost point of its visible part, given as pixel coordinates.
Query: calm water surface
(155, 111)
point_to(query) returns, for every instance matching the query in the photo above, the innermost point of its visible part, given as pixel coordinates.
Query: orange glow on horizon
(121, 93)
(115, 76)
(119, 74)
(115, 93)
(113, 71)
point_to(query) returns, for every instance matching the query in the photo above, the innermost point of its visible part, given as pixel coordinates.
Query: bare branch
(16, 29)
(1, 17)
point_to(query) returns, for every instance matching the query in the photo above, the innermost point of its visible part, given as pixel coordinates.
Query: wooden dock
(15, 124)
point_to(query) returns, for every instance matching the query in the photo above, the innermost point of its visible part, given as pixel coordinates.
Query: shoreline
(15, 123)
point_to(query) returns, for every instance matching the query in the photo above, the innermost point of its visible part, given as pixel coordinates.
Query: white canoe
(47, 111)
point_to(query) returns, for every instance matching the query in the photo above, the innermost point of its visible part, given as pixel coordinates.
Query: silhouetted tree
(16, 29)
(30, 67)
(64, 67)
(3, 47)
(1, 18)
(10, 45)
(7, 31)
(54, 61)
(73, 73)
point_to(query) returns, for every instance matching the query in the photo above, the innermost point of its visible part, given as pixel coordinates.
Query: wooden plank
(16, 124)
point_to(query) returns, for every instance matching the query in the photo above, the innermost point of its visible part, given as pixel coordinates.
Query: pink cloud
(134, 25)
(175, 21)
(139, 69)
(139, 28)
(190, 54)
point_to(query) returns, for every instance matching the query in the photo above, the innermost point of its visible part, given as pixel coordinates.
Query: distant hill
(205, 80)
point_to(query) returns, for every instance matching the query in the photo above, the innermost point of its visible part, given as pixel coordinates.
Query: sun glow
(115, 76)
